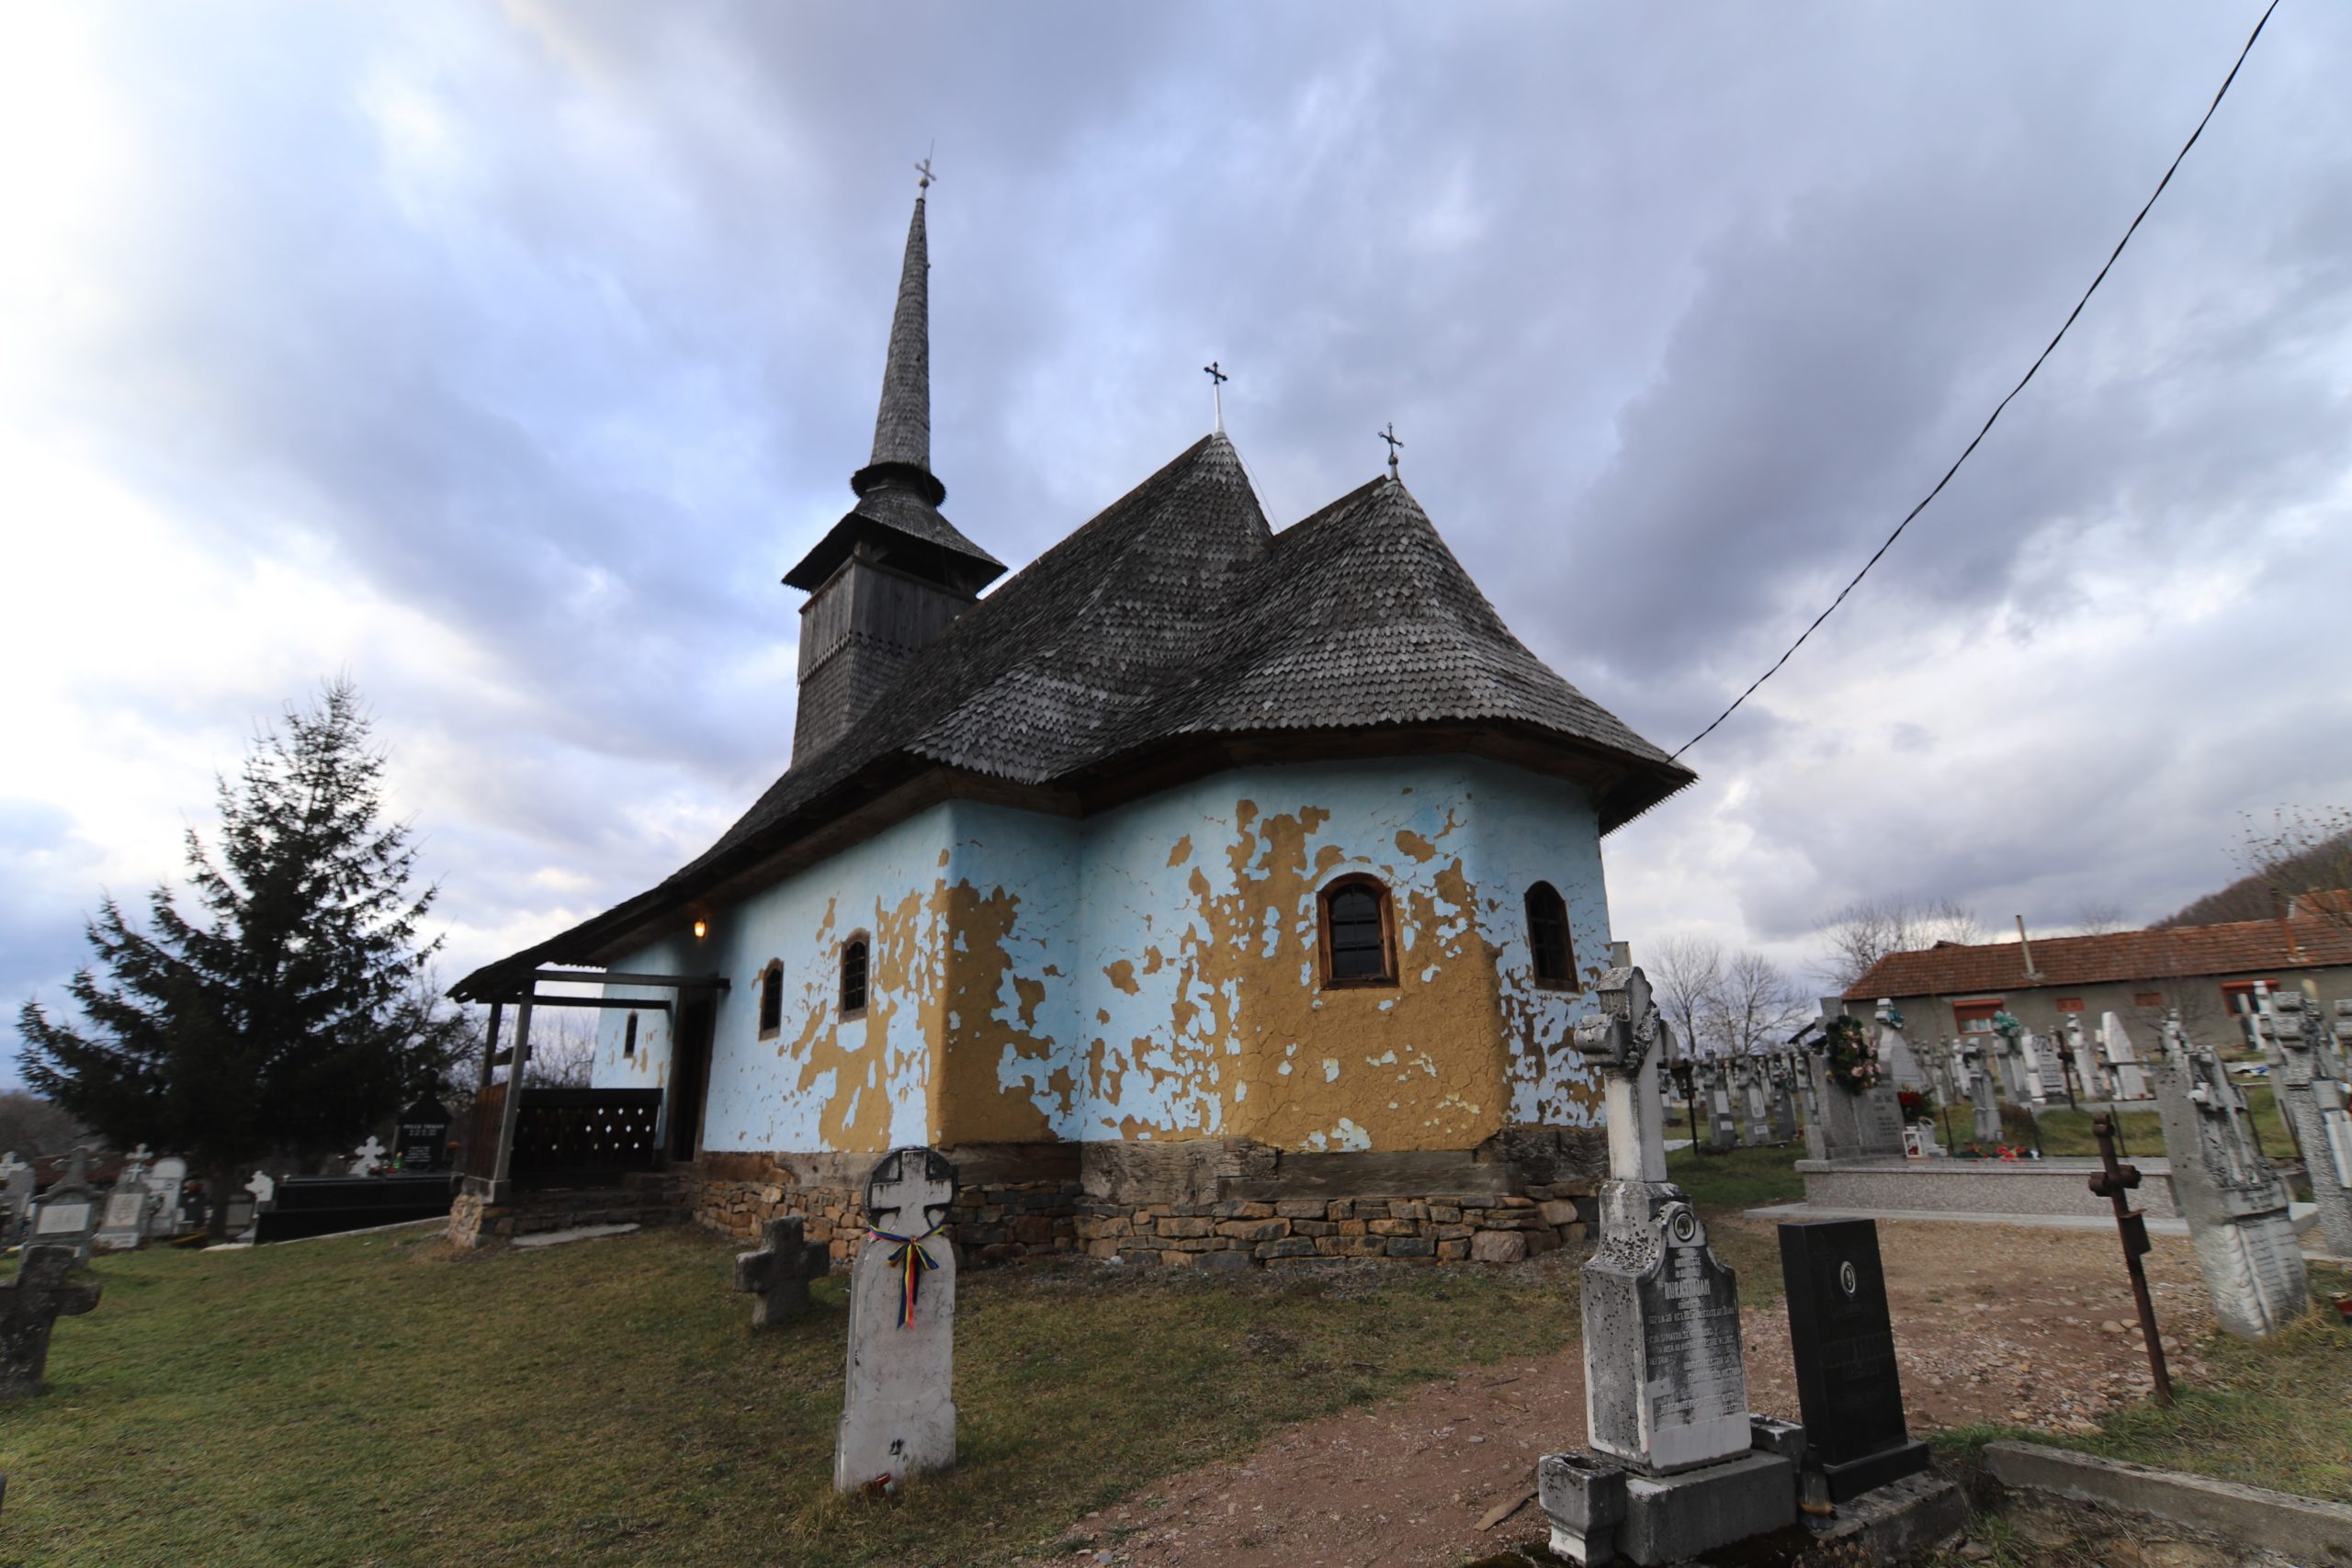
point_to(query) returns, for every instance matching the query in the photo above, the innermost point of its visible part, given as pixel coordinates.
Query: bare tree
(1756, 1004)
(32, 1126)
(1858, 936)
(2097, 917)
(1684, 979)
(563, 1049)
(2304, 858)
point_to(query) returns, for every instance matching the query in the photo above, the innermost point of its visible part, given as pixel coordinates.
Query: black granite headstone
(424, 1134)
(1843, 1343)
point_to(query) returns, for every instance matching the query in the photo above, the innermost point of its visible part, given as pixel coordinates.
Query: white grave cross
(371, 1158)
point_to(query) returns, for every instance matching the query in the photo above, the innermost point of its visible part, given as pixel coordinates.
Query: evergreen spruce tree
(290, 1018)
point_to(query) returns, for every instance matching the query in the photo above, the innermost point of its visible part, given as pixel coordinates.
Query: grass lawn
(2269, 1412)
(370, 1401)
(2068, 1132)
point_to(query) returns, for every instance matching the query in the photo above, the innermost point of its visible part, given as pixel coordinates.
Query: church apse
(1153, 974)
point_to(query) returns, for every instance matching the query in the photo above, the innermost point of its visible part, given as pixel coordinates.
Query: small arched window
(854, 955)
(771, 998)
(1547, 937)
(1359, 933)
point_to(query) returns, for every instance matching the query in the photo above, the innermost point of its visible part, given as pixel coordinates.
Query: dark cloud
(560, 327)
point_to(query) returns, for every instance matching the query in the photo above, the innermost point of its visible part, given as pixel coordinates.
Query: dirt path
(1993, 1324)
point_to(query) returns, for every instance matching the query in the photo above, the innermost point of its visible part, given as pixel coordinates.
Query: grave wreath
(1852, 1060)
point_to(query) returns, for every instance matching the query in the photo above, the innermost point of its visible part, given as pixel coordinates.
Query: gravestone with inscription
(1723, 1121)
(2090, 1081)
(777, 1275)
(44, 1289)
(2231, 1197)
(123, 1224)
(67, 1214)
(165, 1182)
(2049, 1083)
(2315, 1103)
(1785, 1101)
(421, 1143)
(1842, 1341)
(898, 1408)
(1855, 1123)
(1675, 1468)
(1759, 1109)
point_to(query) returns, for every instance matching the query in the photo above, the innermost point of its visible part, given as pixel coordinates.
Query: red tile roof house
(2206, 972)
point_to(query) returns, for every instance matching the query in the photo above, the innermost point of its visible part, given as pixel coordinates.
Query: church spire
(902, 427)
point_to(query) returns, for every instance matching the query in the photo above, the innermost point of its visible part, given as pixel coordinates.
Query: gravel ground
(1993, 1324)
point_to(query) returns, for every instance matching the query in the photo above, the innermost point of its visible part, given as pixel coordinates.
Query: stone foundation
(643, 1199)
(1205, 1203)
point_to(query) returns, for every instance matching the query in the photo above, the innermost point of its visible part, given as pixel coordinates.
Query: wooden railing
(575, 1135)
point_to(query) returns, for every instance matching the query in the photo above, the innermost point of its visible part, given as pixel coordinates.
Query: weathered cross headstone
(1842, 1341)
(1722, 1121)
(1784, 1104)
(1980, 1094)
(2048, 1081)
(899, 1409)
(1759, 1113)
(2088, 1075)
(262, 1186)
(2314, 1101)
(1895, 1052)
(67, 1214)
(43, 1291)
(2122, 1061)
(370, 1156)
(16, 1182)
(164, 1183)
(2231, 1197)
(777, 1275)
(1673, 1469)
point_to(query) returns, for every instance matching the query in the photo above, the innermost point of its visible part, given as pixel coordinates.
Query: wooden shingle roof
(1177, 617)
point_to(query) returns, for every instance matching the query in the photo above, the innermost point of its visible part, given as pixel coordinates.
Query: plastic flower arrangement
(1852, 1057)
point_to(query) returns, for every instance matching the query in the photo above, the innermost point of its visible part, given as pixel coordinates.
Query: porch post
(489, 1048)
(512, 1103)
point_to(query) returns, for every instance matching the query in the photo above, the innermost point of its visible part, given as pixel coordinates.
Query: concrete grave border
(2302, 1529)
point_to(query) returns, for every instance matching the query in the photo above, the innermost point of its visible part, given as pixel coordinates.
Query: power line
(2004, 403)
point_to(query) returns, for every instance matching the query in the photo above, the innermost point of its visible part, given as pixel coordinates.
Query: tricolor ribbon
(911, 1258)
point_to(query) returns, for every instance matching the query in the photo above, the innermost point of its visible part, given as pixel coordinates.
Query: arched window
(771, 998)
(1359, 933)
(854, 952)
(1547, 937)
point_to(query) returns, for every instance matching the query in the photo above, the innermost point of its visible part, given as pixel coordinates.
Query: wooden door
(690, 1073)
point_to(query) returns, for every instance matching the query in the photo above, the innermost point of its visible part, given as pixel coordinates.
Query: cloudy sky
(504, 358)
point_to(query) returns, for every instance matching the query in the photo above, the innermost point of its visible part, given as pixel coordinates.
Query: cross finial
(1389, 436)
(1218, 378)
(923, 168)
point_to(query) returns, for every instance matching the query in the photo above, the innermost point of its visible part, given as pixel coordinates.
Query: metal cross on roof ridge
(1218, 378)
(1389, 436)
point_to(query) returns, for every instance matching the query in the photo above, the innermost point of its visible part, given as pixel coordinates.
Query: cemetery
(1131, 1058)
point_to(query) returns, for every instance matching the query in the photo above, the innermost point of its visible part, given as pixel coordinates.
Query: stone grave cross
(67, 1214)
(2231, 1197)
(2115, 1042)
(44, 1289)
(777, 1275)
(2087, 1068)
(2314, 1100)
(15, 1195)
(1979, 1093)
(1673, 1470)
(898, 1405)
(371, 1156)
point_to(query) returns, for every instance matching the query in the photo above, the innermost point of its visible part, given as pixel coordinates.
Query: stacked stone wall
(1004, 1222)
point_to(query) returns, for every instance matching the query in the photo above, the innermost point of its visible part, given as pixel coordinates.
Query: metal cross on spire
(1218, 378)
(1389, 436)
(923, 168)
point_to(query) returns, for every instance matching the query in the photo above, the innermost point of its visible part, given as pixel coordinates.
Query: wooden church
(1208, 892)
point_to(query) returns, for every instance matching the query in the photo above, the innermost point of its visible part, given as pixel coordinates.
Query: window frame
(1566, 981)
(1977, 1011)
(629, 1037)
(771, 987)
(865, 944)
(1386, 979)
